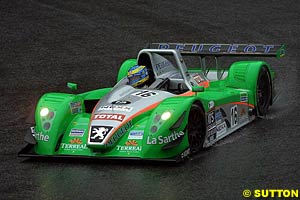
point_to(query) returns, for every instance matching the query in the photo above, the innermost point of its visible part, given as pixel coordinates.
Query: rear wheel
(196, 128)
(263, 91)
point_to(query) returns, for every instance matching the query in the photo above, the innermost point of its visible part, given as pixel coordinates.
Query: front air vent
(90, 105)
(53, 98)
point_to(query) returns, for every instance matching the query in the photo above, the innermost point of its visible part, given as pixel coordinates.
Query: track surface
(45, 44)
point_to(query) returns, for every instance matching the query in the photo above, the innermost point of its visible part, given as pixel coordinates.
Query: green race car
(181, 111)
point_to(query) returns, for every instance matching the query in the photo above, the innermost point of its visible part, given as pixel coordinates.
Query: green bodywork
(68, 113)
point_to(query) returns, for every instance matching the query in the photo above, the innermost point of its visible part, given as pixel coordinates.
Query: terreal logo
(76, 141)
(116, 117)
(75, 144)
(98, 133)
(131, 143)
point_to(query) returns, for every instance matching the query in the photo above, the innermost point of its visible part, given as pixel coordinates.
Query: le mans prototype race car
(182, 111)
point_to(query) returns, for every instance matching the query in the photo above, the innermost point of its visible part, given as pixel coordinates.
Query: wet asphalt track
(44, 44)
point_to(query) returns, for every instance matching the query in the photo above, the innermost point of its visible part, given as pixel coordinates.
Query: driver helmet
(137, 75)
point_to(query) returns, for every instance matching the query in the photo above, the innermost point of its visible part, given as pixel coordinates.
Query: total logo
(116, 117)
(165, 140)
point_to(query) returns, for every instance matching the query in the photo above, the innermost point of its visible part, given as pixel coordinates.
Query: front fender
(49, 128)
(161, 133)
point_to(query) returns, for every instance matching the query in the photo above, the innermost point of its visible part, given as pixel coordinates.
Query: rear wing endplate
(266, 50)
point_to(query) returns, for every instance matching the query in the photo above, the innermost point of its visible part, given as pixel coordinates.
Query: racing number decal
(234, 116)
(145, 94)
(211, 118)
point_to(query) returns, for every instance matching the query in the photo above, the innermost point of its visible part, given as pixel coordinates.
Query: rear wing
(223, 49)
(218, 50)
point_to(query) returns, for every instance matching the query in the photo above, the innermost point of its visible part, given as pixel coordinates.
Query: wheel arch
(244, 75)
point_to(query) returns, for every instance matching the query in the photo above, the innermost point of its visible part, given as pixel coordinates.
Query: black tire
(196, 128)
(263, 92)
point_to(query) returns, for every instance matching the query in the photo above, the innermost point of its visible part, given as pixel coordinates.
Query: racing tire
(196, 128)
(263, 91)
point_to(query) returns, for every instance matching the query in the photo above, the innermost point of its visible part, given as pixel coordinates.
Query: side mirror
(72, 86)
(198, 89)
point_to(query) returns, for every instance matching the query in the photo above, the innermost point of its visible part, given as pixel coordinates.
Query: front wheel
(263, 91)
(196, 128)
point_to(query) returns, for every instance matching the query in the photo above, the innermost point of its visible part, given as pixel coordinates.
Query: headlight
(44, 112)
(166, 115)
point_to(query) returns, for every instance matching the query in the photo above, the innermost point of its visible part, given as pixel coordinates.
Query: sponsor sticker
(211, 117)
(212, 131)
(162, 65)
(186, 153)
(136, 134)
(32, 129)
(211, 104)
(218, 116)
(244, 97)
(116, 117)
(74, 144)
(128, 148)
(145, 93)
(243, 112)
(243, 116)
(211, 122)
(116, 108)
(164, 139)
(41, 137)
(130, 145)
(221, 128)
(119, 133)
(212, 137)
(120, 102)
(76, 132)
(76, 141)
(218, 48)
(98, 133)
(198, 78)
(234, 116)
(75, 107)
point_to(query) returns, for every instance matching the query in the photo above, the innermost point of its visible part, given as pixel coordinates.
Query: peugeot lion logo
(98, 133)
